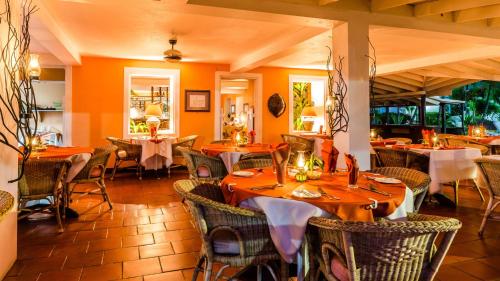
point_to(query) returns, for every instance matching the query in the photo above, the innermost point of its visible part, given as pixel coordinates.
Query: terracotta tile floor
(148, 236)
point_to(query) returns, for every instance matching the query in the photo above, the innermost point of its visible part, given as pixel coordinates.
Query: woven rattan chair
(224, 141)
(248, 229)
(490, 170)
(178, 159)
(401, 140)
(290, 139)
(249, 156)
(385, 250)
(126, 151)
(44, 179)
(454, 141)
(388, 157)
(93, 172)
(6, 203)
(252, 163)
(203, 167)
(417, 181)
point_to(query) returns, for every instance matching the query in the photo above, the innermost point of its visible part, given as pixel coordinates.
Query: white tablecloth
(288, 218)
(450, 165)
(230, 158)
(155, 155)
(78, 161)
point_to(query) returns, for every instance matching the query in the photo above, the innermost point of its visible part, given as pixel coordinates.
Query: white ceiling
(141, 29)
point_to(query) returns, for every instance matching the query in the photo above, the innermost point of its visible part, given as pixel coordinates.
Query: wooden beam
(396, 84)
(277, 48)
(490, 63)
(412, 76)
(387, 88)
(401, 95)
(380, 5)
(326, 2)
(444, 6)
(402, 79)
(471, 72)
(446, 91)
(487, 68)
(493, 22)
(435, 80)
(379, 91)
(480, 13)
(443, 84)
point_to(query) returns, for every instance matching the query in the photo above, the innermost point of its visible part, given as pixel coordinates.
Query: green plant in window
(139, 127)
(301, 99)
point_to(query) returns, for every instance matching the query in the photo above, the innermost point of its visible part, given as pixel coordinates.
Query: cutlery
(323, 193)
(373, 189)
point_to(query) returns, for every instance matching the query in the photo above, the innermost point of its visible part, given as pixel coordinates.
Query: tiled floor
(148, 236)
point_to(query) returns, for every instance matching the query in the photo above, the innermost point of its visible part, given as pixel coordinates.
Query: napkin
(330, 155)
(352, 168)
(427, 136)
(280, 156)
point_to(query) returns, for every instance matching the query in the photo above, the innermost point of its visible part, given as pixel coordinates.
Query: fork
(323, 193)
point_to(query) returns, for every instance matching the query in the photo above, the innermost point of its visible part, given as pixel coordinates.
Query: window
(150, 90)
(403, 115)
(307, 99)
(379, 115)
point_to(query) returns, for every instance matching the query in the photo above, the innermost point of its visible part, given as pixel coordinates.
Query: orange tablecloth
(383, 142)
(421, 146)
(485, 140)
(352, 205)
(216, 149)
(61, 152)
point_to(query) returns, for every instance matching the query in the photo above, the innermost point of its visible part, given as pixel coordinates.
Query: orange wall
(98, 98)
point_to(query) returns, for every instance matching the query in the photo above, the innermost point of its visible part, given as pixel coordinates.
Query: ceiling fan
(172, 55)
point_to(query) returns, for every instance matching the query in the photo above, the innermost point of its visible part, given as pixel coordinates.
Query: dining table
(230, 153)
(156, 152)
(287, 211)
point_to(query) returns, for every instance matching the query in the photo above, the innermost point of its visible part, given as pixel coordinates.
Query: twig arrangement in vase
(372, 57)
(18, 113)
(338, 117)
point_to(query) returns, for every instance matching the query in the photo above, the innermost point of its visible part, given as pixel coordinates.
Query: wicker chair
(44, 179)
(249, 156)
(484, 148)
(388, 157)
(213, 218)
(385, 250)
(126, 152)
(224, 141)
(405, 141)
(6, 203)
(490, 169)
(417, 181)
(178, 159)
(93, 172)
(252, 163)
(203, 167)
(290, 139)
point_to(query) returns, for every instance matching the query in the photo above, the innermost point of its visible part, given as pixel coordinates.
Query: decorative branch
(338, 117)
(372, 75)
(18, 113)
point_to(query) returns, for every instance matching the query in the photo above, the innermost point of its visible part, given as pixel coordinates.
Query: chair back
(385, 250)
(389, 157)
(416, 180)
(125, 149)
(203, 167)
(96, 167)
(404, 141)
(252, 163)
(291, 139)
(224, 141)
(256, 155)
(211, 214)
(187, 142)
(42, 177)
(490, 169)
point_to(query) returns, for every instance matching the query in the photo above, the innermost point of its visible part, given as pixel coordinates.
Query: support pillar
(350, 40)
(422, 111)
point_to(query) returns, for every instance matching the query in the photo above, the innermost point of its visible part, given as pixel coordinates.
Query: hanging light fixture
(34, 66)
(172, 55)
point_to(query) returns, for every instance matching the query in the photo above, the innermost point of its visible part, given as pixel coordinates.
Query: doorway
(238, 104)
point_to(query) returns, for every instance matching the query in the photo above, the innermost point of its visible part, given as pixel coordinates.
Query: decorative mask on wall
(276, 105)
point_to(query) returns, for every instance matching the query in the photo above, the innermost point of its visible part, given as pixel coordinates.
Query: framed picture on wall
(246, 107)
(233, 108)
(197, 100)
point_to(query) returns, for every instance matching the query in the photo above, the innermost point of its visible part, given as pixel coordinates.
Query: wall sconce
(34, 66)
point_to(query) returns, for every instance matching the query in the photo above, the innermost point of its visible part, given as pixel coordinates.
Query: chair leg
(117, 163)
(479, 190)
(487, 213)
(168, 171)
(455, 187)
(104, 193)
(208, 271)
(58, 213)
(259, 272)
(139, 167)
(198, 268)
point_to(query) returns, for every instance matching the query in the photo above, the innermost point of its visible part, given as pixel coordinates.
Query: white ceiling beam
(440, 59)
(277, 48)
(47, 31)
(480, 13)
(351, 11)
(444, 6)
(380, 5)
(396, 84)
(326, 2)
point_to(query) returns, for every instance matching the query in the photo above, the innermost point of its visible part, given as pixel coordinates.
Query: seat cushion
(339, 270)
(225, 243)
(122, 153)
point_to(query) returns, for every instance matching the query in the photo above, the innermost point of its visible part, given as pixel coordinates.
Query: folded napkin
(427, 136)
(280, 156)
(330, 155)
(352, 168)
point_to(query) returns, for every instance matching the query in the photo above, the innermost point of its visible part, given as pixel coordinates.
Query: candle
(238, 138)
(435, 140)
(373, 134)
(301, 162)
(477, 131)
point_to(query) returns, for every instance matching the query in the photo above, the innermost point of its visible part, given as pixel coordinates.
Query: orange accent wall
(98, 98)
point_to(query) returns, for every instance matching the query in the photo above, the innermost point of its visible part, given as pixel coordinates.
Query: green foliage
(314, 161)
(300, 100)
(140, 127)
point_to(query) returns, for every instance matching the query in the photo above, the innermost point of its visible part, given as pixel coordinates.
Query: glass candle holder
(301, 176)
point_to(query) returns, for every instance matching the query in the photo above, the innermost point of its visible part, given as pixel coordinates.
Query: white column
(350, 40)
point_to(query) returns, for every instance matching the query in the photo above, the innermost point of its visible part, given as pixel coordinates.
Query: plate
(387, 180)
(245, 174)
(304, 193)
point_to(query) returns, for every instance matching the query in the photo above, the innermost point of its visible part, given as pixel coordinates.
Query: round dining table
(287, 215)
(230, 154)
